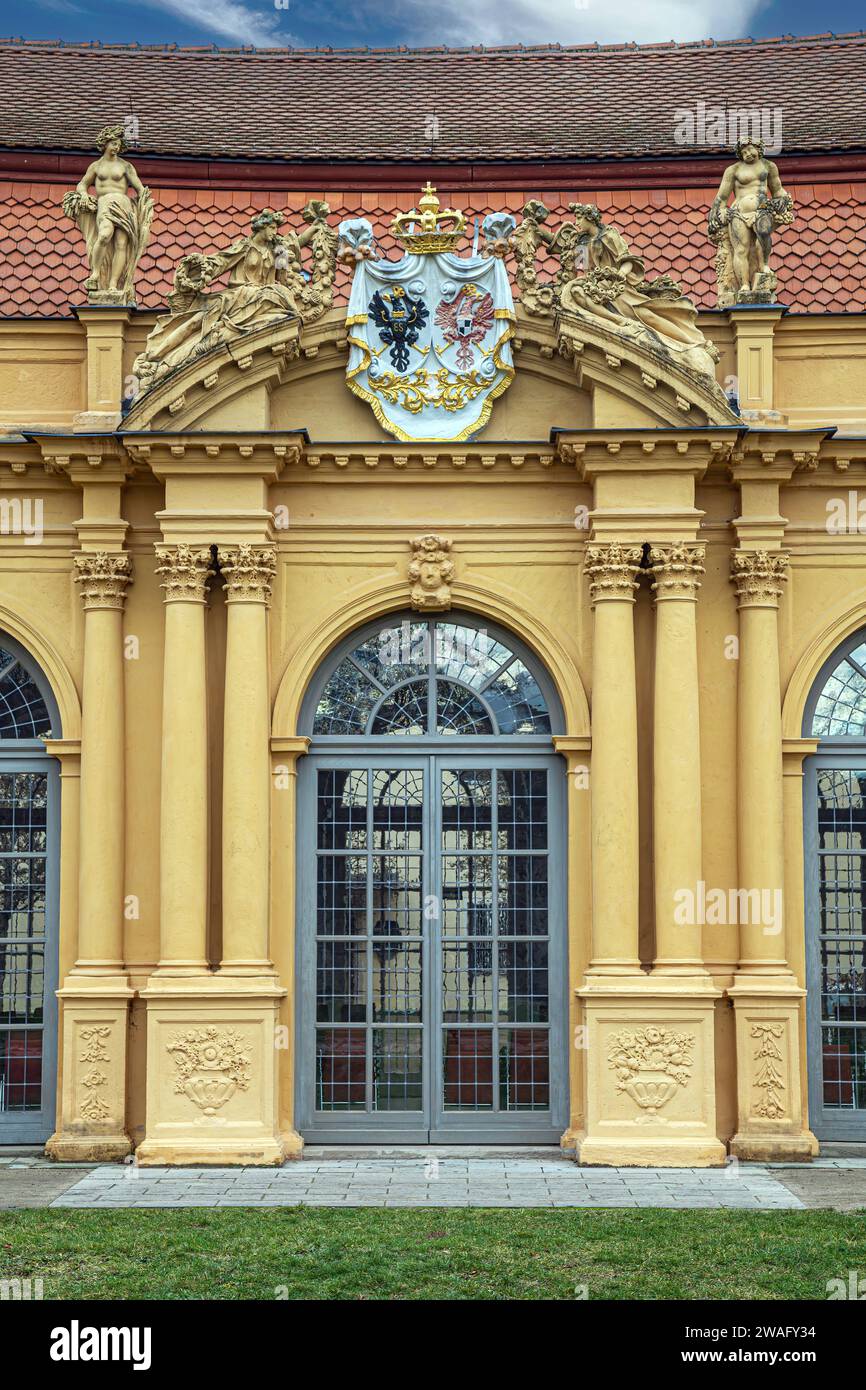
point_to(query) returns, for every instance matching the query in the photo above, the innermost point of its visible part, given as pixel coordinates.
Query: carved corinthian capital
(677, 570)
(758, 576)
(103, 576)
(249, 573)
(612, 569)
(186, 570)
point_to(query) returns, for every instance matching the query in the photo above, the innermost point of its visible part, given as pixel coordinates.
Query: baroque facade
(434, 638)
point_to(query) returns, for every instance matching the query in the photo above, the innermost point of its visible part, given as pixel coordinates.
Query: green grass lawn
(373, 1253)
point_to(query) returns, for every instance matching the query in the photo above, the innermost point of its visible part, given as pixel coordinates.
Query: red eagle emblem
(466, 321)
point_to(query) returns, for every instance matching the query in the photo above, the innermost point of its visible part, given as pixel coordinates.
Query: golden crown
(423, 230)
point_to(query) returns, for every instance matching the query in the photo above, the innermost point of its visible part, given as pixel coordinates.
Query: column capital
(186, 570)
(758, 576)
(249, 572)
(612, 570)
(103, 576)
(676, 570)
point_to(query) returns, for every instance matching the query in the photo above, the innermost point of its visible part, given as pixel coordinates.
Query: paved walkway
(433, 1178)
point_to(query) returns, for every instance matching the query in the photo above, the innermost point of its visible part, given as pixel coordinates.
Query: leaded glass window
(23, 712)
(432, 678)
(840, 710)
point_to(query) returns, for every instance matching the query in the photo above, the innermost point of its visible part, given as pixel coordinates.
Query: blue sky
(374, 22)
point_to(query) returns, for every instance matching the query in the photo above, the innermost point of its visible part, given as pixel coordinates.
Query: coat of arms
(430, 335)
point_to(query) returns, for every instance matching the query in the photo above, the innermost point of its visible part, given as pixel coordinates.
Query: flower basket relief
(650, 1063)
(212, 1066)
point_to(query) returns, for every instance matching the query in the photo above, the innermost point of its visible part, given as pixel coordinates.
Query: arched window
(835, 828)
(28, 899)
(432, 678)
(431, 926)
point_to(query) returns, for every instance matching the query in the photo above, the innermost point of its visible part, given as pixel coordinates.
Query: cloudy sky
(310, 22)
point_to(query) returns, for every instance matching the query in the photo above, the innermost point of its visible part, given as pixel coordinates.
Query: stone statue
(267, 282)
(743, 230)
(607, 286)
(536, 296)
(116, 227)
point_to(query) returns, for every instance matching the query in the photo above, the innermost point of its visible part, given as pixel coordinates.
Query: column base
(293, 1145)
(651, 1073)
(770, 1120)
(92, 1121)
(767, 1148)
(212, 1072)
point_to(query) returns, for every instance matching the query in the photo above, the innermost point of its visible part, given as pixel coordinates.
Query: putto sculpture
(601, 281)
(267, 282)
(116, 227)
(742, 230)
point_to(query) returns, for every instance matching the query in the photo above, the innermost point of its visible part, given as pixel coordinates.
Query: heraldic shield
(430, 335)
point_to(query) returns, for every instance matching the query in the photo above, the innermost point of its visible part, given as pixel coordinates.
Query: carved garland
(93, 1106)
(768, 1075)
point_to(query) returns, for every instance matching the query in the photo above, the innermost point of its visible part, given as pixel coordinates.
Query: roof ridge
(403, 51)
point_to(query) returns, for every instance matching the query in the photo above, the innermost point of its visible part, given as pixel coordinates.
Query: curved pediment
(569, 373)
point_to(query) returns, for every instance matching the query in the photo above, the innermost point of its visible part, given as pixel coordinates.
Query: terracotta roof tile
(45, 268)
(544, 102)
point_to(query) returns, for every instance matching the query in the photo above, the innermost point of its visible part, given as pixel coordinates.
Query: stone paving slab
(418, 1181)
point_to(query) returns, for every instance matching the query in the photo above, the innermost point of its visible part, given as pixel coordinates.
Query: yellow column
(676, 760)
(612, 570)
(249, 571)
(103, 577)
(183, 845)
(758, 576)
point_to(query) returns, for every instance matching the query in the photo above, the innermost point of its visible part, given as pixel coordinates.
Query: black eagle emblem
(399, 319)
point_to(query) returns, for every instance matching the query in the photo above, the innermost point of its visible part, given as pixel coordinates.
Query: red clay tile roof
(547, 103)
(43, 265)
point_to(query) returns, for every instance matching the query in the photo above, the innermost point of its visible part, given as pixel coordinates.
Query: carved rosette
(612, 570)
(249, 573)
(103, 576)
(186, 570)
(758, 576)
(431, 573)
(676, 570)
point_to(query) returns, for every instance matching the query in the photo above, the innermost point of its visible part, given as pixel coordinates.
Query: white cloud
(562, 21)
(258, 24)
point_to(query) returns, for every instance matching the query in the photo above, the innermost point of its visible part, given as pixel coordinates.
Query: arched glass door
(28, 896)
(835, 826)
(431, 931)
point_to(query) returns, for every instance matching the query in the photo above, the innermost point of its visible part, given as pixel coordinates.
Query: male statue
(743, 231)
(116, 227)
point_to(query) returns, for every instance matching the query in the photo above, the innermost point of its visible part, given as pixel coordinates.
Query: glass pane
(397, 896)
(468, 654)
(467, 982)
(342, 895)
(523, 981)
(347, 702)
(841, 808)
(21, 1070)
(398, 808)
(21, 983)
(341, 982)
(404, 712)
(841, 706)
(522, 797)
(467, 810)
(23, 712)
(458, 711)
(397, 1069)
(342, 809)
(843, 980)
(842, 886)
(396, 653)
(396, 981)
(467, 897)
(523, 895)
(844, 1058)
(517, 702)
(467, 1068)
(524, 1069)
(22, 898)
(341, 1069)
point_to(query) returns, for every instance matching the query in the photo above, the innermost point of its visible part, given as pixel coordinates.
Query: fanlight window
(840, 710)
(432, 678)
(23, 712)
